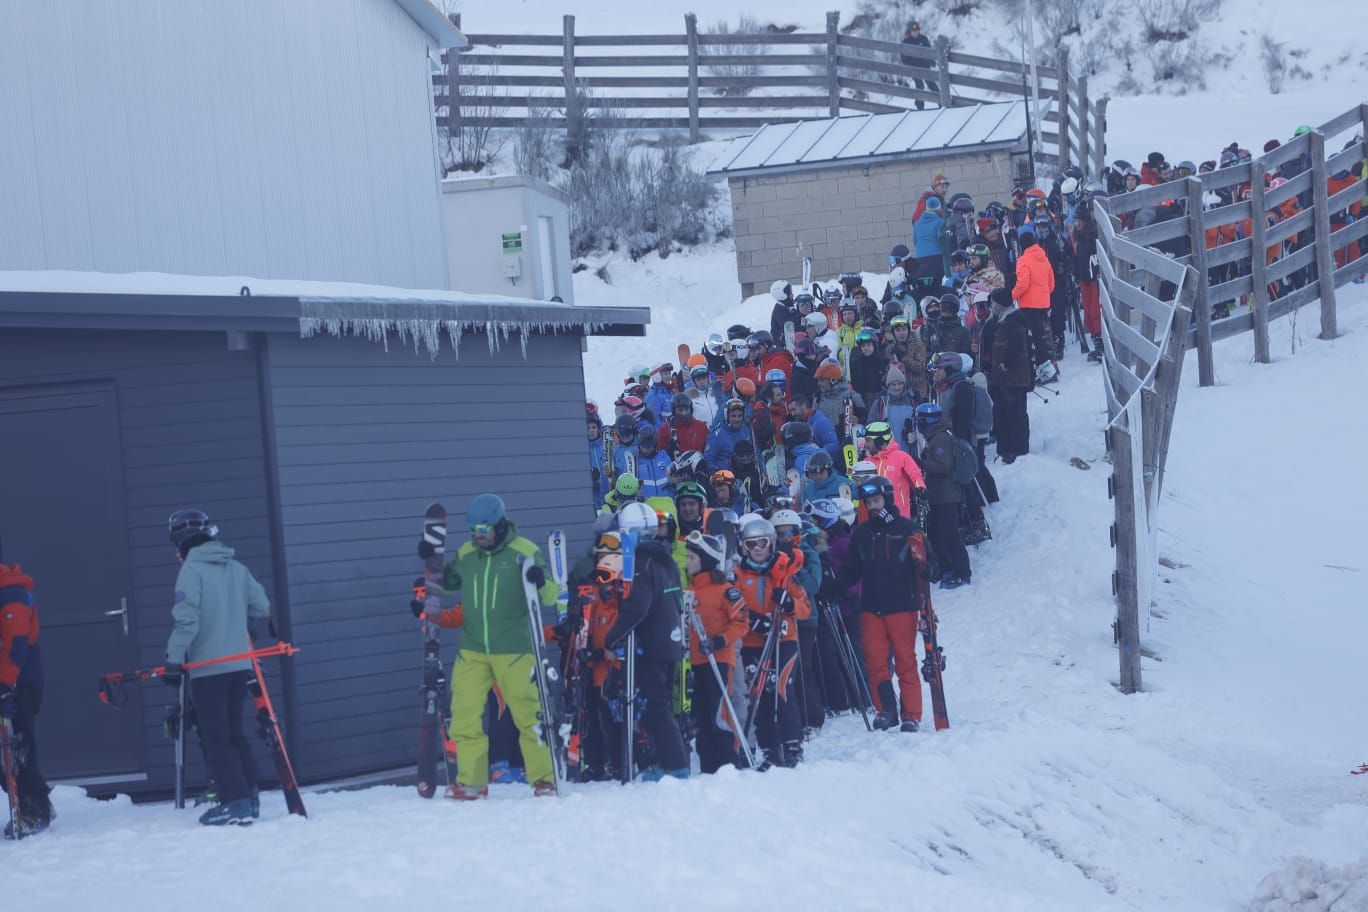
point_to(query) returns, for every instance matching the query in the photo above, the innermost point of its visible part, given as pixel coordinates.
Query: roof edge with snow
(429, 18)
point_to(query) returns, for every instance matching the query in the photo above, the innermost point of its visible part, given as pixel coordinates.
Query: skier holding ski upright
(219, 609)
(496, 645)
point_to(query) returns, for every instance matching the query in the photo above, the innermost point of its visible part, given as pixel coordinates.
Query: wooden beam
(1127, 557)
(1258, 264)
(1065, 151)
(943, 66)
(1206, 365)
(572, 111)
(833, 21)
(1325, 263)
(691, 34)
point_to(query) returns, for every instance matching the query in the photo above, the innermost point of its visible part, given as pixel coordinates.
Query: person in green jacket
(219, 609)
(496, 646)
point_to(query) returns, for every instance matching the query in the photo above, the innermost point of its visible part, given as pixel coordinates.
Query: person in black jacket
(784, 310)
(952, 334)
(938, 467)
(886, 555)
(913, 36)
(1010, 378)
(958, 400)
(651, 610)
(867, 367)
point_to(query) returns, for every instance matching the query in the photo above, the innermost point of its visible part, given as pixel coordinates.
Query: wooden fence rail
(673, 74)
(1273, 249)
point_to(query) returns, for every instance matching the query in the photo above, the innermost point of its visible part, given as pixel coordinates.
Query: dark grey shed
(316, 455)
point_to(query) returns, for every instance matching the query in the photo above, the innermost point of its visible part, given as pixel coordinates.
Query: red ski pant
(1092, 307)
(895, 633)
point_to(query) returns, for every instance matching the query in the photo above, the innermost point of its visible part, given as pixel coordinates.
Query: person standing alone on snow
(496, 645)
(913, 36)
(219, 609)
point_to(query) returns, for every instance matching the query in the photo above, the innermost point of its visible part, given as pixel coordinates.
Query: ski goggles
(608, 542)
(483, 528)
(869, 489)
(605, 575)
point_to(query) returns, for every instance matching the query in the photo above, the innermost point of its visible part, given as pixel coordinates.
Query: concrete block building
(842, 190)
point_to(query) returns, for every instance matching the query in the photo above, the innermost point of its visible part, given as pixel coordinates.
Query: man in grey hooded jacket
(219, 609)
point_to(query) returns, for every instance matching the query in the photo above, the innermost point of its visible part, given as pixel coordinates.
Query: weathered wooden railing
(688, 82)
(1303, 256)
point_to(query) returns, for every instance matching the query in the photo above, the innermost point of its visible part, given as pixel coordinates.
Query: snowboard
(432, 718)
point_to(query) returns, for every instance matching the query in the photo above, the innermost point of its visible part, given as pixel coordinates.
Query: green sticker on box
(512, 242)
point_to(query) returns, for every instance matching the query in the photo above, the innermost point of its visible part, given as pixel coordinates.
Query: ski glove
(733, 594)
(7, 702)
(536, 576)
(783, 600)
(171, 675)
(712, 645)
(886, 516)
(760, 623)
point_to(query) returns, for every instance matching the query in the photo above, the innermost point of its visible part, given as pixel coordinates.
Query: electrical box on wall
(512, 267)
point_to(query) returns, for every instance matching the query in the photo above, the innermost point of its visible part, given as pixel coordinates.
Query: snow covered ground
(1051, 790)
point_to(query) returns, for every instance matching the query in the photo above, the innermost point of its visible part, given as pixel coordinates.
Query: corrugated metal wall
(366, 439)
(190, 427)
(232, 137)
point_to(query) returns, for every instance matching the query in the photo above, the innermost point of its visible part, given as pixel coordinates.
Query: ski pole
(850, 681)
(860, 679)
(180, 743)
(697, 623)
(629, 711)
(108, 683)
(11, 774)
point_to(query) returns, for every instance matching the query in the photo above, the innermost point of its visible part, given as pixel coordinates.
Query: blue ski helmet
(485, 510)
(928, 415)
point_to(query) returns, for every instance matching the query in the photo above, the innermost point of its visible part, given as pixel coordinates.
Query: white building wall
(219, 137)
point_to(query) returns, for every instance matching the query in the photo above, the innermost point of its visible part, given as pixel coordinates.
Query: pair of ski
(11, 772)
(268, 723)
(433, 721)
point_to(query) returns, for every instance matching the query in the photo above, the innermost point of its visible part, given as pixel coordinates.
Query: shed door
(62, 518)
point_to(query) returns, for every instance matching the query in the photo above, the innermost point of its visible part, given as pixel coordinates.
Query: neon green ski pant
(473, 674)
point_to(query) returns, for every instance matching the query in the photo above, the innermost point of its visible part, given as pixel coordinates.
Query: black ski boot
(909, 725)
(793, 753)
(888, 717)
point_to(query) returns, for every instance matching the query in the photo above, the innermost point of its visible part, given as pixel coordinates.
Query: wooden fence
(1302, 257)
(688, 81)
(1158, 285)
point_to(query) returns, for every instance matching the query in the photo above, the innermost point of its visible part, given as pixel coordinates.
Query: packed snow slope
(1051, 790)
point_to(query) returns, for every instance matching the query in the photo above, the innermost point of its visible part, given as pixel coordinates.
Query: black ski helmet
(190, 527)
(681, 402)
(876, 485)
(819, 461)
(737, 331)
(796, 432)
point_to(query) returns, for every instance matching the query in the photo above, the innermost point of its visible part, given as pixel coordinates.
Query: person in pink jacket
(895, 464)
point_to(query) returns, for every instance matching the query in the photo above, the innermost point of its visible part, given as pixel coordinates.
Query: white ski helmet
(780, 289)
(786, 518)
(847, 508)
(1068, 186)
(816, 323)
(637, 516)
(897, 277)
(863, 469)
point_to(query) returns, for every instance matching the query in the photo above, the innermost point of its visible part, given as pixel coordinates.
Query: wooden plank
(1294, 300)
(691, 31)
(499, 79)
(510, 60)
(1127, 556)
(778, 102)
(1258, 264)
(943, 68)
(1287, 228)
(600, 102)
(1234, 325)
(1226, 177)
(863, 66)
(1349, 195)
(1130, 295)
(661, 60)
(1201, 311)
(1325, 262)
(1232, 214)
(1290, 263)
(1350, 271)
(883, 88)
(1229, 291)
(636, 123)
(766, 38)
(888, 47)
(1100, 135)
(1168, 379)
(833, 73)
(1084, 140)
(1351, 232)
(1229, 253)
(1345, 158)
(567, 65)
(1295, 186)
(1139, 198)
(630, 40)
(1150, 260)
(869, 107)
(992, 85)
(1289, 150)
(1351, 119)
(1065, 150)
(1133, 340)
(499, 40)
(1006, 66)
(1159, 231)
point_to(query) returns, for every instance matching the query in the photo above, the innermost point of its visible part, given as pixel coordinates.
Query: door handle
(121, 613)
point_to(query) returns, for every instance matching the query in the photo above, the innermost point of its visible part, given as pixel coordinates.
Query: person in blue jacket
(653, 468)
(724, 436)
(658, 396)
(797, 437)
(823, 482)
(823, 433)
(928, 235)
(626, 430)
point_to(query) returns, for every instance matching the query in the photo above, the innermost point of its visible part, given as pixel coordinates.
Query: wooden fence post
(833, 20)
(943, 65)
(1065, 149)
(691, 32)
(1258, 261)
(1084, 139)
(1325, 259)
(453, 84)
(572, 112)
(1206, 368)
(1100, 137)
(1127, 555)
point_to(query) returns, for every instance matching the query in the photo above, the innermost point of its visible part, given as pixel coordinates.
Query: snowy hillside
(1051, 790)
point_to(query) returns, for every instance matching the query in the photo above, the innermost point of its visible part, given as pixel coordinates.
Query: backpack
(982, 422)
(966, 462)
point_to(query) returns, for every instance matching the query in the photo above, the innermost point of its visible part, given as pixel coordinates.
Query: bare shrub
(738, 47)
(674, 202)
(1174, 20)
(534, 142)
(466, 143)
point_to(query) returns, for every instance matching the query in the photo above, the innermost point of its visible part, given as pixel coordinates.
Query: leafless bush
(466, 143)
(739, 47)
(1273, 55)
(1174, 20)
(674, 201)
(534, 142)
